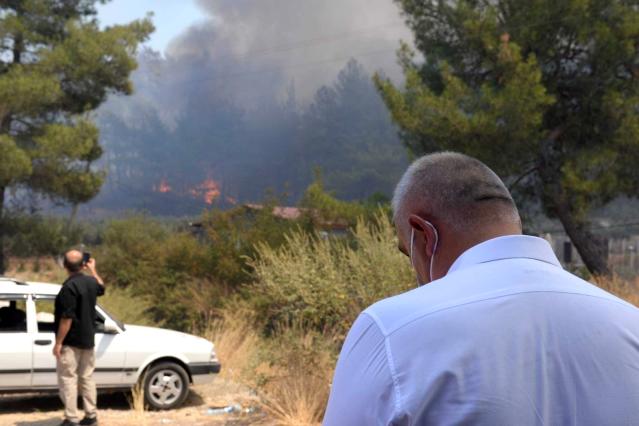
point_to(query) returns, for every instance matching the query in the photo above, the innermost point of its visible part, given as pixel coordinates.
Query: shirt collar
(508, 247)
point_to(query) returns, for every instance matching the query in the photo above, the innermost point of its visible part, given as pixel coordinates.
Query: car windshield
(117, 321)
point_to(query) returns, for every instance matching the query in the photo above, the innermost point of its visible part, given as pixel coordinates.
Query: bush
(34, 236)
(131, 252)
(170, 268)
(325, 283)
(126, 306)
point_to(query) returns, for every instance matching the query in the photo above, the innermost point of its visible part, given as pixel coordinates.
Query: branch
(522, 176)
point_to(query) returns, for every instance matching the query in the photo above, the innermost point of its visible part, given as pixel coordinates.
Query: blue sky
(171, 17)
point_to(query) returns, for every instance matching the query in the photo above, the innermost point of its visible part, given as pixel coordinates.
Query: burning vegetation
(208, 190)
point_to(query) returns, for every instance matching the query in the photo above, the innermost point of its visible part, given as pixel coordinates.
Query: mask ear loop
(432, 258)
(412, 262)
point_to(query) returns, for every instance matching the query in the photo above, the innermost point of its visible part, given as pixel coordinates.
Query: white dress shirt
(507, 337)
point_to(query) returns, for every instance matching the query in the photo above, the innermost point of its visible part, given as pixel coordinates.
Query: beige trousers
(75, 369)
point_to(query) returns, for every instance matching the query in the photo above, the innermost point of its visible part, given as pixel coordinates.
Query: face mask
(432, 258)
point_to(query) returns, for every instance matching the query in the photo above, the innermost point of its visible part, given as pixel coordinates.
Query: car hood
(155, 336)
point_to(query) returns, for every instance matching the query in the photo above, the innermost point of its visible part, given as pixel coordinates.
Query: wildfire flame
(208, 190)
(163, 187)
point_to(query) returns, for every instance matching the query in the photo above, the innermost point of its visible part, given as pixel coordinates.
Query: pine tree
(545, 92)
(56, 66)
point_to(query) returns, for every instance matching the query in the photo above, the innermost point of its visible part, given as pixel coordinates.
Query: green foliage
(185, 278)
(325, 283)
(544, 92)
(233, 235)
(323, 209)
(34, 235)
(56, 65)
(16, 162)
(130, 253)
(127, 306)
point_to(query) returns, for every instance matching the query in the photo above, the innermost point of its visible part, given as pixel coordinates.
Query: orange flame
(163, 187)
(208, 190)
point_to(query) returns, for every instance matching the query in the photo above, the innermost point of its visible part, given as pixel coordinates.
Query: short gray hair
(458, 189)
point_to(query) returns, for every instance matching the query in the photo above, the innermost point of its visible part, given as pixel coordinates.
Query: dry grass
(290, 371)
(625, 289)
(136, 400)
(44, 269)
(236, 344)
(298, 389)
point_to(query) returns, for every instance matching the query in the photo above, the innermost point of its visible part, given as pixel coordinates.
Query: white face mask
(432, 258)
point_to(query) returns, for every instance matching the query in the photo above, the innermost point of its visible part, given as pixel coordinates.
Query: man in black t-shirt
(75, 335)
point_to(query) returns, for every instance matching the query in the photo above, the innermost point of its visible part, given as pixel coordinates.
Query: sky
(171, 17)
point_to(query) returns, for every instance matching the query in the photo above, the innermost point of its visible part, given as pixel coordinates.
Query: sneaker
(89, 421)
(68, 422)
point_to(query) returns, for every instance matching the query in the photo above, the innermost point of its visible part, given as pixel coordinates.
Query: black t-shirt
(76, 300)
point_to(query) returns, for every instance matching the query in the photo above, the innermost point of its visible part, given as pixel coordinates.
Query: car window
(44, 314)
(117, 321)
(13, 314)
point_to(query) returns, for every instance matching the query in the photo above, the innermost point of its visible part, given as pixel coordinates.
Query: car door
(44, 375)
(110, 351)
(15, 342)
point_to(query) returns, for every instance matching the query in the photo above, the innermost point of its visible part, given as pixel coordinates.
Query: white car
(163, 361)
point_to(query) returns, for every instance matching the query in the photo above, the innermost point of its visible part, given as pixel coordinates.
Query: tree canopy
(545, 92)
(56, 66)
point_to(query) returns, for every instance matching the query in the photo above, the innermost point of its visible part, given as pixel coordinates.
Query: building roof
(288, 213)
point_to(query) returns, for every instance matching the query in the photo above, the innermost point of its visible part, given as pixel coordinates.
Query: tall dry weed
(137, 404)
(42, 269)
(236, 342)
(302, 363)
(625, 289)
(290, 370)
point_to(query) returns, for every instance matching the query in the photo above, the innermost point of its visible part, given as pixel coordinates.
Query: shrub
(33, 235)
(324, 283)
(131, 252)
(126, 306)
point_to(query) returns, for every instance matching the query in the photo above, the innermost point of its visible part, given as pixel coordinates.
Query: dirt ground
(115, 409)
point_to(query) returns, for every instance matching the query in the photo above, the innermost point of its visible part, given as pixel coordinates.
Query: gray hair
(458, 189)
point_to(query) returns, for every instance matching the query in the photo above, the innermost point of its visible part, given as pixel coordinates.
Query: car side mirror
(110, 326)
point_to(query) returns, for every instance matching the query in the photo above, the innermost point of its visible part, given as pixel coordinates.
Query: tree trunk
(592, 248)
(72, 216)
(2, 232)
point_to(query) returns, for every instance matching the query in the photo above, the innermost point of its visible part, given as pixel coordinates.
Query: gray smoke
(255, 97)
(252, 47)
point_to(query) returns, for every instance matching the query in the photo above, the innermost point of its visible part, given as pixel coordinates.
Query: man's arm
(94, 272)
(63, 330)
(362, 392)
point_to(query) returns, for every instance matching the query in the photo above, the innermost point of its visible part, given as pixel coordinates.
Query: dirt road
(115, 409)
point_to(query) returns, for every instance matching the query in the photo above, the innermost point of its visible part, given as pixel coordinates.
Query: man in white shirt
(502, 335)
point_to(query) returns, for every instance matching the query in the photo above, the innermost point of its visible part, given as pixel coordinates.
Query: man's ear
(424, 230)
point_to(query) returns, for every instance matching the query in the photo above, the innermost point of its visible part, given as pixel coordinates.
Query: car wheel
(166, 386)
